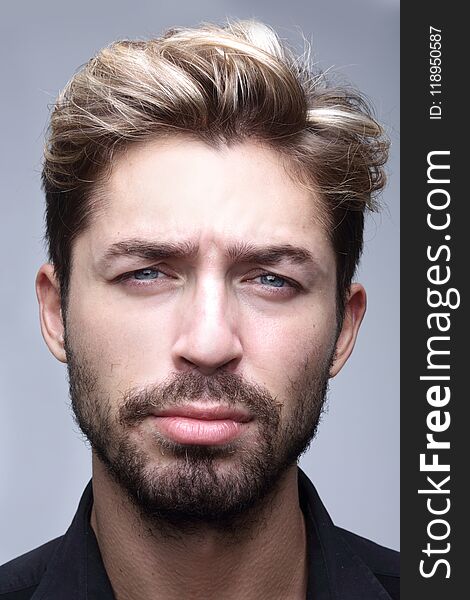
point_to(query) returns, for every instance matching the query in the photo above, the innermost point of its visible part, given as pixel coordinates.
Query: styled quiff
(221, 85)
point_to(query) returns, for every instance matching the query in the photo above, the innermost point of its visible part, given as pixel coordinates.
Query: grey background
(44, 463)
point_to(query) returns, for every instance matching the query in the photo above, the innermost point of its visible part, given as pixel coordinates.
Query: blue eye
(146, 274)
(272, 280)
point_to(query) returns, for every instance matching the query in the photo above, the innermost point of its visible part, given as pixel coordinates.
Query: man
(205, 206)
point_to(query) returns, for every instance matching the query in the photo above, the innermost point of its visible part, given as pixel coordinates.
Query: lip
(201, 424)
(204, 412)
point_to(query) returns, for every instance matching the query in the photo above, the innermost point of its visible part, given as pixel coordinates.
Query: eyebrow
(241, 252)
(150, 250)
(269, 255)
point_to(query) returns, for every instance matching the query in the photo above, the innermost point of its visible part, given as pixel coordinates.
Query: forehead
(183, 188)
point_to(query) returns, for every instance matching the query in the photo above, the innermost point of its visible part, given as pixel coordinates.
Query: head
(206, 194)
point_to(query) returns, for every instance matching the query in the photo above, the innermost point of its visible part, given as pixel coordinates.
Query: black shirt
(341, 565)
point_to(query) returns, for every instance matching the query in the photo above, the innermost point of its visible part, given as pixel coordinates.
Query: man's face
(201, 326)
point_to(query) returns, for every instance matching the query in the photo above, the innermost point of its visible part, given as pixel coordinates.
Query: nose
(208, 332)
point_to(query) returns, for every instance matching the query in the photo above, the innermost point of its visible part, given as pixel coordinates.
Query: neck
(266, 559)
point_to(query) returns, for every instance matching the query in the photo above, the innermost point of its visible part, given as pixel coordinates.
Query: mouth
(202, 424)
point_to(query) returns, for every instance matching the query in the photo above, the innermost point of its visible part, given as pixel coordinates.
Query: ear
(50, 313)
(353, 315)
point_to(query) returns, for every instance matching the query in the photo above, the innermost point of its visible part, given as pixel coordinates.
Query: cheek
(128, 345)
(279, 349)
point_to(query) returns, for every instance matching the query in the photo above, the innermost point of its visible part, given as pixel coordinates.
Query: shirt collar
(335, 571)
(76, 570)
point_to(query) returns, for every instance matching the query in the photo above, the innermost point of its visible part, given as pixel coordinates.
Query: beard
(224, 487)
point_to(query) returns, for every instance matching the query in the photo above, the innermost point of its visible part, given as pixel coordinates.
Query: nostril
(207, 360)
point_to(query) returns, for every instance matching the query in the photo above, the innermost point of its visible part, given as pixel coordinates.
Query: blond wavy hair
(221, 85)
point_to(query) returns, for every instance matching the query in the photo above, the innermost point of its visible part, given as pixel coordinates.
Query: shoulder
(382, 561)
(378, 558)
(20, 577)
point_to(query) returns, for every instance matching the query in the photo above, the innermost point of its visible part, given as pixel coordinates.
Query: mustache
(231, 389)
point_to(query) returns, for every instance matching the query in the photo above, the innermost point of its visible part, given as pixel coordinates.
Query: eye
(146, 278)
(275, 286)
(273, 280)
(146, 274)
